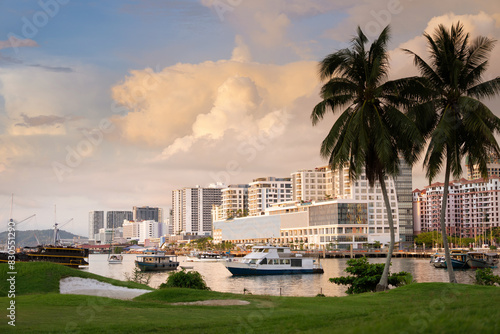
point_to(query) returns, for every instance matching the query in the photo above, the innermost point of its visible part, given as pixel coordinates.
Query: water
(218, 278)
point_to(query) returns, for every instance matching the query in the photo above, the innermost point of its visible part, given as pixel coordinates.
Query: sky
(106, 105)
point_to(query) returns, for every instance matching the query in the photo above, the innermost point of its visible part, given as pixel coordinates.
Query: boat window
(253, 261)
(282, 261)
(276, 261)
(287, 261)
(264, 261)
(280, 250)
(296, 262)
(266, 250)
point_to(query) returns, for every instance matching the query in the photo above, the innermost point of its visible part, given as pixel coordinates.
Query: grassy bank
(417, 308)
(44, 277)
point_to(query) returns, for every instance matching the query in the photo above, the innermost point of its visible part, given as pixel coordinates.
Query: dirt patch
(216, 302)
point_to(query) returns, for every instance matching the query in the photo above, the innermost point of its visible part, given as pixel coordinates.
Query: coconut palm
(371, 133)
(460, 125)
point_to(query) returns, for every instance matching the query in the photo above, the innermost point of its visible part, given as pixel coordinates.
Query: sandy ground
(92, 287)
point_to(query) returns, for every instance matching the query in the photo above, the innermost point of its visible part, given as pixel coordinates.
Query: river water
(218, 278)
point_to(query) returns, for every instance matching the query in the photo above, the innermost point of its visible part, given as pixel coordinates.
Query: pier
(379, 253)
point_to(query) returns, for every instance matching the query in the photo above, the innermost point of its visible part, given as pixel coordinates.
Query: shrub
(183, 279)
(365, 276)
(485, 277)
(138, 276)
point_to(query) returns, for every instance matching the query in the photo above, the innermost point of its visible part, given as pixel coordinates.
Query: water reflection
(218, 277)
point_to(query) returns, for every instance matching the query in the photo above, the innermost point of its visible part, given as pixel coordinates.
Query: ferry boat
(273, 260)
(156, 261)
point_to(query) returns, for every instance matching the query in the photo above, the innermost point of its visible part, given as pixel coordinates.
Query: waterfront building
(115, 219)
(334, 224)
(96, 222)
(472, 207)
(192, 209)
(265, 191)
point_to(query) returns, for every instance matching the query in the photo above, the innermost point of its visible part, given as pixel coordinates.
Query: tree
(365, 276)
(371, 133)
(457, 123)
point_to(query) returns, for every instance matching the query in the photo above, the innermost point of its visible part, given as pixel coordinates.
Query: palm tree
(459, 124)
(371, 133)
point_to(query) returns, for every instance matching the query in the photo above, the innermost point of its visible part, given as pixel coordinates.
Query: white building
(146, 229)
(312, 184)
(265, 191)
(192, 209)
(335, 224)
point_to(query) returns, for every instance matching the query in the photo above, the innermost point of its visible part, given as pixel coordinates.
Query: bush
(183, 279)
(365, 276)
(485, 277)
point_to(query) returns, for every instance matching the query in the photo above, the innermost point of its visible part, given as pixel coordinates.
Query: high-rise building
(115, 219)
(234, 201)
(192, 209)
(96, 222)
(323, 183)
(493, 167)
(147, 213)
(265, 191)
(311, 184)
(472, 207)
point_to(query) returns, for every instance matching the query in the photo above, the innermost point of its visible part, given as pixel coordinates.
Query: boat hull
(144, 266)
(253, 271)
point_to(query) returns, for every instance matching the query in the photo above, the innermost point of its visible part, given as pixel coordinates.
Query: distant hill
(27, 238)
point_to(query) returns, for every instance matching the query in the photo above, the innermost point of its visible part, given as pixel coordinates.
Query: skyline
(105, 106)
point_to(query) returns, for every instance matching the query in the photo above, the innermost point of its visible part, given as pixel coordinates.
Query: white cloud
(14, 42)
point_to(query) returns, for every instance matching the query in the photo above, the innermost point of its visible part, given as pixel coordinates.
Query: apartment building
(472, 207)
(265, 191)
(192, 209)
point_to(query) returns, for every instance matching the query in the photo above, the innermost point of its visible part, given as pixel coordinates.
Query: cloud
(53, 68)
(208, 99)
(14, 42)
(41, 120)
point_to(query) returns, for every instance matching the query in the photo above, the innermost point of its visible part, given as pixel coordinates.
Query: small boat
(273, 260)
(156, 261)
(438, 261)
(115, 258)
(206, 257)
(186, 267)
(481, 260)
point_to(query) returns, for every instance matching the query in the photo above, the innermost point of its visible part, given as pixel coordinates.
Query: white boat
(273, 260)
(115, 258)
(206, 257)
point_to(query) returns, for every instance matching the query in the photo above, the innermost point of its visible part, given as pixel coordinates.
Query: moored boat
(481, 260)
(273, 260)
(115, 258)
(156, 261)
(206, 257)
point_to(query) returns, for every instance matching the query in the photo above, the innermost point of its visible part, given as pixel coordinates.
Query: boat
(112, 257)
(57, 253)
(206, 257)
(272, 260)
(481, 260)
(156, 261)
(115, 258)
(438, 261)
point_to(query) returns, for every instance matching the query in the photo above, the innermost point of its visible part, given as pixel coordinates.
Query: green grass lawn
(417, 308)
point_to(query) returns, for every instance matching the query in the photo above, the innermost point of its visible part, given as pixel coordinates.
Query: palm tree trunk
(384, 280)
(451, 273)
